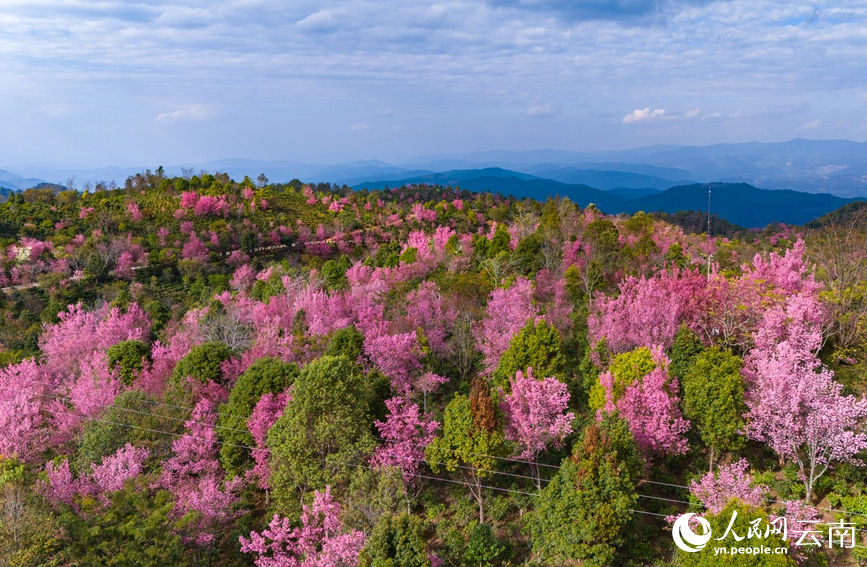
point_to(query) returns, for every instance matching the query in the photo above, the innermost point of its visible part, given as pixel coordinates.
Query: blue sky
(93, 83)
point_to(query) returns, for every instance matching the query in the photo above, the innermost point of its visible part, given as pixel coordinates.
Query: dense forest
(198, 371)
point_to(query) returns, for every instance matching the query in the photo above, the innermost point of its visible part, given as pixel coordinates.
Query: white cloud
(692, 113)
(181, 16)
(385, 112)
(323, 21)
(645, 115)
(359, 127)
(544, 110)
(811, 125)
(194, 113)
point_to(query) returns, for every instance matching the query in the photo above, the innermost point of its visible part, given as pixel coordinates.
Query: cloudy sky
(104, 82)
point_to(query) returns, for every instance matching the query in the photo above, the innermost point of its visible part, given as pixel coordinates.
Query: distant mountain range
(617, 181)
(739, 203)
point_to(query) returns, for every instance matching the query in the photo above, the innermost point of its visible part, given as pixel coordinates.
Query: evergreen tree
(324, 428)
(686, 347)
(471, 440)
(583, 516)
(396, 541)
(713, 399)
(203, 363)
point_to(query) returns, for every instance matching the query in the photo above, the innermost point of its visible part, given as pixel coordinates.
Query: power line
(503, 473)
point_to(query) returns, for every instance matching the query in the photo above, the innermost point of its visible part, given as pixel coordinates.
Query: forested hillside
(208, 372)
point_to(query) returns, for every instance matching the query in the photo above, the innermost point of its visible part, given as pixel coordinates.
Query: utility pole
(708, 235)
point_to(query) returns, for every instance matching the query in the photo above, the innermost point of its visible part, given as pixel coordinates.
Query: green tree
(713, 398)
(686, 346)
(132, 530)
(203, 363)
(29, 534)
(483, 549)
(500, 241)
(132, 418)
(584, 514)
(409, 255)
(266, 375)
(537, 346)
(396, 541)
(471, 440)
(719, 523)
(348, 342)
(334, 272)
(325, 427)
(528, 254)
(127, 357)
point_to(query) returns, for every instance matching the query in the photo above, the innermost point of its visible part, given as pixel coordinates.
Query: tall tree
(713, 398)
(583, 515)
(471, 440)
(795, 405)
(324, 428)
(535, 416)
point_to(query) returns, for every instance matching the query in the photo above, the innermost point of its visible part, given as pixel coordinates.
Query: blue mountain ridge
(739, 203)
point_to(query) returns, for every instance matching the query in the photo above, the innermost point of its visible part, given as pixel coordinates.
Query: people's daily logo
(685, 538)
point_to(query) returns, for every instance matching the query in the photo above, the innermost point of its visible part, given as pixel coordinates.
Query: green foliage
(325, 427)
(463, 442)
(719, 523)
(348, 342)
(396, 542)
(537, 346)
(203, 363)
(626, 369)
(266, 375)
(409, 255)
(29, 535)
(585, 513)
(686, 346)
(713, 398)
(334, 272)
(130, 531)
(387, 255)
(483, 549)
(127, 358)
(528, 253)
(500, 241)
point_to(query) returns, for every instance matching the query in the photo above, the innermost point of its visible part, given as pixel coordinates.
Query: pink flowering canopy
(795, 405)
(317, 542)
(507, 313)
(535, 414)
(730, 481)
(405, 434)
(651, 406)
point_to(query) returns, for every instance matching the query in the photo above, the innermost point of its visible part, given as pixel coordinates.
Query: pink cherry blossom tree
(731, 481)
(81, 332)
(795, 405)
(318, 542)
(535, 416)
(406, 433)
(23, 389)
(507, 313)
(647, 312)
(651, 407)
(127, 463)
(194, 477)
(268, 410)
